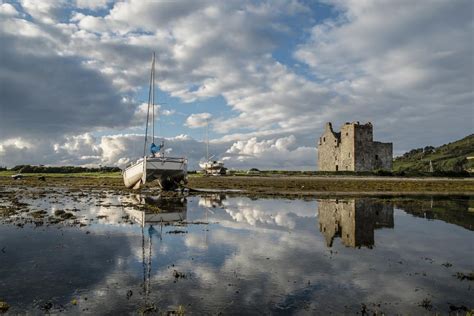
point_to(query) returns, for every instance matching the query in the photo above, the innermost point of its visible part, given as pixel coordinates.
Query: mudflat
(274, 184)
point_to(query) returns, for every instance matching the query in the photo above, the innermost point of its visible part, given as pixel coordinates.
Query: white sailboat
(210, 166)
(169, 172)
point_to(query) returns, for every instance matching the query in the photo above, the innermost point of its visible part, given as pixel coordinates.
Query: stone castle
(353, 149)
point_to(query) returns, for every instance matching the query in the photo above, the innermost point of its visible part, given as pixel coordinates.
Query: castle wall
(346, 154)
(328, 149)
(353, 149)
(363, 150)
(383, 153)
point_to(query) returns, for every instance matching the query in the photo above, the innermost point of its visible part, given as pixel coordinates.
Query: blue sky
(216, 106)
(267, 75)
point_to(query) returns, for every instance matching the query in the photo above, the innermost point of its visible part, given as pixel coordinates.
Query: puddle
(211, 253)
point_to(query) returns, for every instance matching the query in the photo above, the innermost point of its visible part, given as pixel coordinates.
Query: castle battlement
(353, 149)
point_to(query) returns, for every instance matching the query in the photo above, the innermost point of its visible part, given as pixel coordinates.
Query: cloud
(406, 71)
(279, 69)
(92, 4)
(278, 153)
(7, 9)
(198, 120)
(48, 11)
(87, 149)
(120, 149)
(140, 114)
(46, 95)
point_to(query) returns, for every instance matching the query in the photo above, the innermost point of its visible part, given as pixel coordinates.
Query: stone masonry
(353, 149)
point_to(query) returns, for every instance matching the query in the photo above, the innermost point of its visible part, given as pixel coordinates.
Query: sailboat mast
(153, 98)
(149, 102)
(207, 139)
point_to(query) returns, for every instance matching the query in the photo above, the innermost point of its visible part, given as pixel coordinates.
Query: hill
(452, 157)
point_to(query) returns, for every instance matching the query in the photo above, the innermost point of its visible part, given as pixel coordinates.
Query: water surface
(121, 253)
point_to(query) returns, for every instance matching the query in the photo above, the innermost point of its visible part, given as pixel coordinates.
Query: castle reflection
(353, 220)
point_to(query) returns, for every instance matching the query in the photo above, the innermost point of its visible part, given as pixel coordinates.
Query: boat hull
(169, 172)
(213, 168)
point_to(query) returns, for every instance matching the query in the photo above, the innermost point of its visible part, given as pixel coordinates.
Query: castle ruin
(353, 149)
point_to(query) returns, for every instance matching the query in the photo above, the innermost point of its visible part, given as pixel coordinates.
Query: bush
(383, 173)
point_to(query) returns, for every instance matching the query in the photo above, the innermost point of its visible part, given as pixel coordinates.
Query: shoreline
(271, 185)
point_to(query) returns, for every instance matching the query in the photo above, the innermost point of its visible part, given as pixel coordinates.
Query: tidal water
(117, 253)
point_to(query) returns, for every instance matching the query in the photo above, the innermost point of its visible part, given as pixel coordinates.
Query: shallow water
(233, 254)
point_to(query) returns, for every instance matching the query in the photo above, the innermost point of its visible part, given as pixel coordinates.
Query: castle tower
(352, 149)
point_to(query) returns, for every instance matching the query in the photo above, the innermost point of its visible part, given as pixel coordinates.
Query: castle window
(347, 134)
(324, 139)
(349, 155)
(376, 157)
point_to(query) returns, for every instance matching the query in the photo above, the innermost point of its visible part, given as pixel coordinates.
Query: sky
(265, 75)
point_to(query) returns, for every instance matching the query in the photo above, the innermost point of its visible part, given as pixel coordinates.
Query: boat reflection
(213, 200)
(156, 210)
(353, 220)
(148, 211)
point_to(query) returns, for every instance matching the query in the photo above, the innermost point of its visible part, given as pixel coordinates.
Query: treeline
(60, 169)
(418, 153)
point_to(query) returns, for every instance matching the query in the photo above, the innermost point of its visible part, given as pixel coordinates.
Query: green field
(445, 158)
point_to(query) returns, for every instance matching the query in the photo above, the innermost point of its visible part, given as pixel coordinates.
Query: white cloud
(87, 149)
(406, 67)
(166, 112)
(92, 4)
(7, 9)
(278, 153)
(198, 120)
(139, 116)
(401, 65)
(120, 149)
(45, 11)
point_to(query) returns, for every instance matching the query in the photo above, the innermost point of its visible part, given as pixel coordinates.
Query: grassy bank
(312, 184)
(276, 184)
